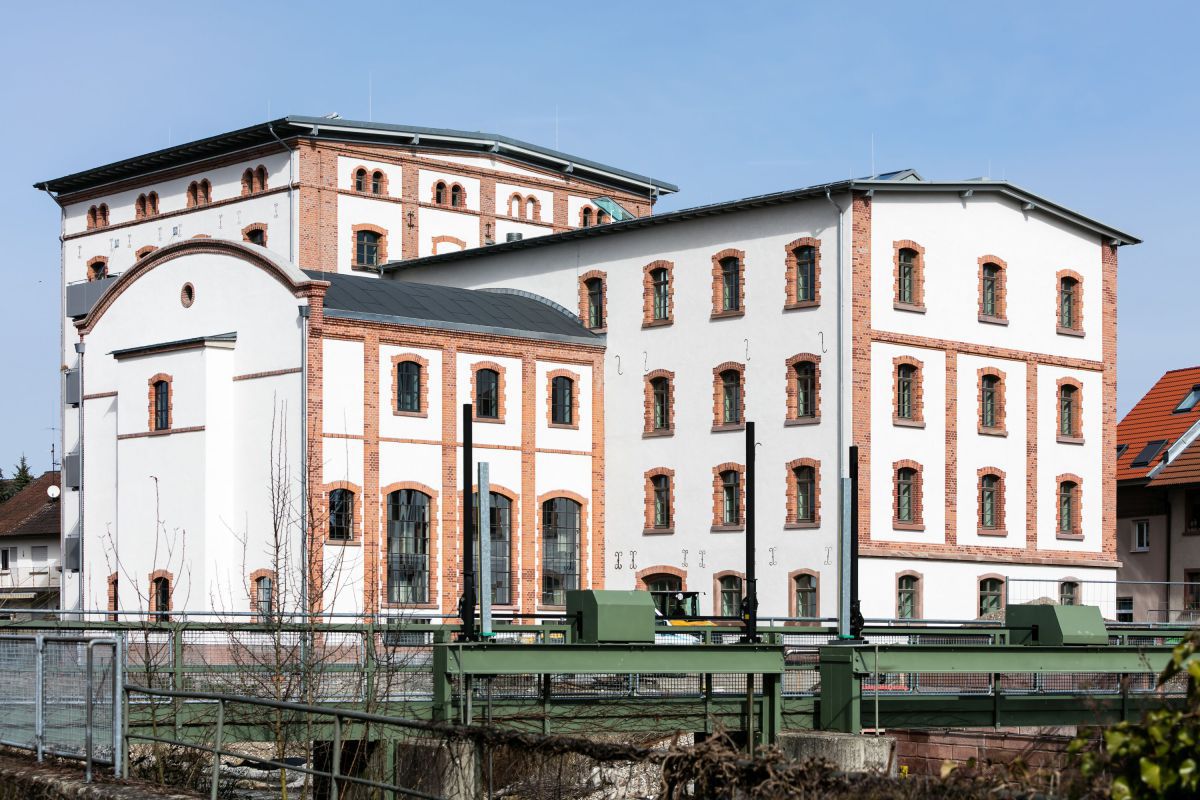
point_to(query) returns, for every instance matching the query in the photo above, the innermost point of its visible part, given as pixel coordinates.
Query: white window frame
(1135, 545)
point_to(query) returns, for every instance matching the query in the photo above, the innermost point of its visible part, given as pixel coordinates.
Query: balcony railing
(39, 577)
(81, 296)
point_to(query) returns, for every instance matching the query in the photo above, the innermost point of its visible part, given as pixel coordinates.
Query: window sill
(800, 305)
(802, 526)
(1069, 439)
(658, 531)
(907, 526)
(657, 323)
(727, 529)
(343, 542)
(1069, 537)
(740, 312)
(659, 433)
(419, 414)
(728, 427)
(997, 532)
(601, 329)
(912, 308)
(490, 420)
(985, 431)
(901, 422)
(790, 423)
(364, 268)
(1061, 331)
(562, 426)
(1140, 550)
(990, 320)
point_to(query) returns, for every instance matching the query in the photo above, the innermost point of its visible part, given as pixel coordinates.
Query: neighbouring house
(1158, 502)
(30, 569)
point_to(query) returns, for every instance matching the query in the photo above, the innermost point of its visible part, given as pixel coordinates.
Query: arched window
(439, 193)
(665, 588)
(731, 596)
(1068, 411)
(731, 497)
(805, 478)
(407, 546)
(152, 204)
(991, 596)
(408, 386)
(366, 248)
(1068, 290)
(562, 395)
(341, 515)
(1068, 593)
(731, 397)
(139, 207)
(989, 401)
(257, 236)
(264, 598)
(595, 302)
(98, 269)
(376, 182)
(515, 205)
(806, 273)
(907, 499)
(560, 549)
(586, 218)
(601, 217)
(248, 182)
(193, 194)
(531, 208)
(102, 215)
(660, 418)
(456, 196)
(162, 405)
(487, 394)
(906, 279)
(805, 377)
(731, 289)
(160, 598)
(205, 192)
(91, 218)
(990, 290)
(804, 588)
(260, 178)
(906, 385)
(360, 180)
(660, 282)
(500, 514)
(1068, 508)
(907, 596)
(990, 510)
(661, 484)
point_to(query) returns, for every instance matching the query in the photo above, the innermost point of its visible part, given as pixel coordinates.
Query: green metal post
(773, 708)
(371, 664)
(441, 679)
(841, 691)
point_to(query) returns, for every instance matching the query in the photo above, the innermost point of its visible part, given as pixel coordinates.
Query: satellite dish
(52, 492)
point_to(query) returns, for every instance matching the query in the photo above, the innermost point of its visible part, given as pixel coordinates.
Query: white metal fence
(1138, 602)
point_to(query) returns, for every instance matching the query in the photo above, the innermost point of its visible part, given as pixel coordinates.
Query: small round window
(188, 295)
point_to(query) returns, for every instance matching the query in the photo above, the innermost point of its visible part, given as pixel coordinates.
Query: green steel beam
(1003, 658)
(524, 659)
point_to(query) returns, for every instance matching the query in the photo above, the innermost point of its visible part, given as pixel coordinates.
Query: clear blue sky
(1093, 105)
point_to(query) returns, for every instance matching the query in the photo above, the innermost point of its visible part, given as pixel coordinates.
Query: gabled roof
(289, 127)
(906, 180)
(1153, 419)
(498, 312)
(31, 512)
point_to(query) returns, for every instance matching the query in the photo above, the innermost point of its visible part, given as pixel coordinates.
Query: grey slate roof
(381, 133)
(490, 311)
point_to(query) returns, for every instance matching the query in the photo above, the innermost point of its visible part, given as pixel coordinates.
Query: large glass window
(731, 497)
(989, 491)
(162, 405)
(906, 480)
(990, 289)
(1068, 413)
(408, 386)
(1066, 507)
(1067, 290)
(160, 589)
(662, 501)
(806, 273)
(264, 597)
(562, 390)
(906, 379)
(988, 401)
(595, 303)
(660, 283)
(731, 397)
(560, 549)
(661, 390)
(805, 478)
(487, 394)
(366, 248)
(360, 180)
(408, 546)
(806, 383)
(500, 529)
(731, 289)
(341, 514)
(907, 279)
(731, 596)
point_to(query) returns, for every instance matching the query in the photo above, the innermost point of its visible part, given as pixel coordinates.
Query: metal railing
(46, 576)
(75, 703)
(1122, 602)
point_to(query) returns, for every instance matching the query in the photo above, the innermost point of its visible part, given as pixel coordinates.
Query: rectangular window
(1124, 609)
(39, 554)
(1191, 510)
(8, 558)
(1141, 535)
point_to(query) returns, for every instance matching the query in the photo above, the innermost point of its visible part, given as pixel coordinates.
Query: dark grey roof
(906, 180)
(178, 344)
(495, 312)
(376, 132)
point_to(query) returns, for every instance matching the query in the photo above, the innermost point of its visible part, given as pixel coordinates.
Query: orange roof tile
(1154, 418)
(1184, 469)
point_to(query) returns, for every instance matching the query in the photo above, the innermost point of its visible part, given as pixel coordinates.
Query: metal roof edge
(218, 339)
(566, 312)
(595, 340)
(1181, 443)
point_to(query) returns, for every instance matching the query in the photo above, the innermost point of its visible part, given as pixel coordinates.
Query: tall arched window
(160, 593)
(531, 208)
(408, 386)
(1068, 508)
(264, 598)
(1068, 289)
(260, 178)
(360, 180)
(662, 501)
(731, 397)
(341, 515)
(456, 196)
(991, 596)
(731, 497)
(139, 207)
(205, 192)
(595, 302)
(660, 389)
(907, 596)
(990, 511)
(907, 499)
(193, 194)
(408, 546)
(664, 586)
(989, 290)
(162, 405)
(660, 281)
(487, 394)
(515, 206)
(805, 478)
(804, 588)
(439, 193)
(806, 273)
(906, 384)
(366, 244)
(989, 401)
(805, 376)
(586, 218)
(562, 395)
(731, 288)
(1068, 411)
(731, 596)
(248, 182)
(500, 528)
(906, 280)
(561, 518)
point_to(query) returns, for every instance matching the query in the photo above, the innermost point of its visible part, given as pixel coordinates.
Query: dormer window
(1190, 401)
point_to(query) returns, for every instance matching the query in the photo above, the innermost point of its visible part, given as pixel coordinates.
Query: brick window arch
(264, 594)
(142, 252)
(803, 378)
(410, 385)
(802, 260)
(199, 193)
(162, 594)
(562, 399)
(516, 205)
(97, 268)
(908, 392)
(990, 501)
(909, 595)
(247, 182)
(260, 178)
(487, 391)
(993, 289)
(729, 283)
(729, 590)
(586, 214)
(140, 207)
(659, 403)
(907, 502)
(659, 514)
(658, 293)
(97, 216)
(255, 233)
(458, 196)
(368, 247)
(803, 500)
(647, 577)
(1070, 302)
(343, 513)
(593, 299)
(533, 208)
(908, 275)
(990, 385)
(161, 402)
(729, 396)
(729, 497)
(438, 241)
(1070, 411)
(1069, 507)
(804, 594)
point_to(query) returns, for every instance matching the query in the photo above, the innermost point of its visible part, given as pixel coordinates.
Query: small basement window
(1189, 403)
(1149, 452)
